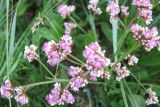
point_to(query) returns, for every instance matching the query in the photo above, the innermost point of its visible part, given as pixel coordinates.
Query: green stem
(7, 34)
(45, 82)
(78, 25)
(46, 68)
(76, 59)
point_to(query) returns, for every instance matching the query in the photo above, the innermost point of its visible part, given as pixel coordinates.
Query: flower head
(121, 72)
(65, 10)
(30, 53)
(144, 10)
(57, 96)
(152, 98)
(93, 6)
(7, 89)
(113, 9)
(78, 82)
(20, 95)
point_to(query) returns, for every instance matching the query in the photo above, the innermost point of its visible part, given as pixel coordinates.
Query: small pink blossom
(152, 98)
(65, 10)
(93, 6)
(121, 72)
(78, 82)
(30, 53)
(113, 9)
(124, 10)
(7, 89)
(20, 95)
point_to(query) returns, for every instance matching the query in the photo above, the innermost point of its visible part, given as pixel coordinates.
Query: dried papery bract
(38, 21)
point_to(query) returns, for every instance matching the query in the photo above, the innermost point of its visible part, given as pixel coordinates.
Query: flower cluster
(30, 53)
(144, 10)
(78, 80)
(65, 10)
(7, 91)
(56, 52)
(113, 9)
(96, 60)
(132, 60)
(152, 98)
(39, 21)
(20, 95)
(121, 72)
(58, 96)
(124, 10)
(93, 6)
(148, 37)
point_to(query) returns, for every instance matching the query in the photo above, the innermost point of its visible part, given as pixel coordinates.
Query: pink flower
(148, 37)
(57, 96)
(95, 59)
(78, 82)
(132, 60)
(30, 53)
(113, 9)
(20, 95)
(144, 10)
(7, 89)
(93, 6)
(65, 10)
(124, 10)
(57, 52)
(74, 71)
(121, 72)
(152, 98)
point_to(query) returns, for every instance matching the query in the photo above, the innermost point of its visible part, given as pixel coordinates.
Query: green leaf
(151, 59)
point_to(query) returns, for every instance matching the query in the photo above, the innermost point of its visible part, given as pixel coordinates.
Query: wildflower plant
(84, 53)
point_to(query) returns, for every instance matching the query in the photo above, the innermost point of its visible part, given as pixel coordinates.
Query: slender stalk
(78, 25)
(70, 60)
(45, 82)
(7, 34)
(76, 59)
(45, 68)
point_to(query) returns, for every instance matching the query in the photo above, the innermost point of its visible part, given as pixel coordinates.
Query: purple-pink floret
(57, 52)
(148, 37)
(20, 95)
(144, 10)
(95, 59)
(7, 89)
(78, 82)
(74, 71)
(57, 96)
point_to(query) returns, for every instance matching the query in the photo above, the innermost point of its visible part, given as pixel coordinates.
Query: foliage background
(21, 17)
